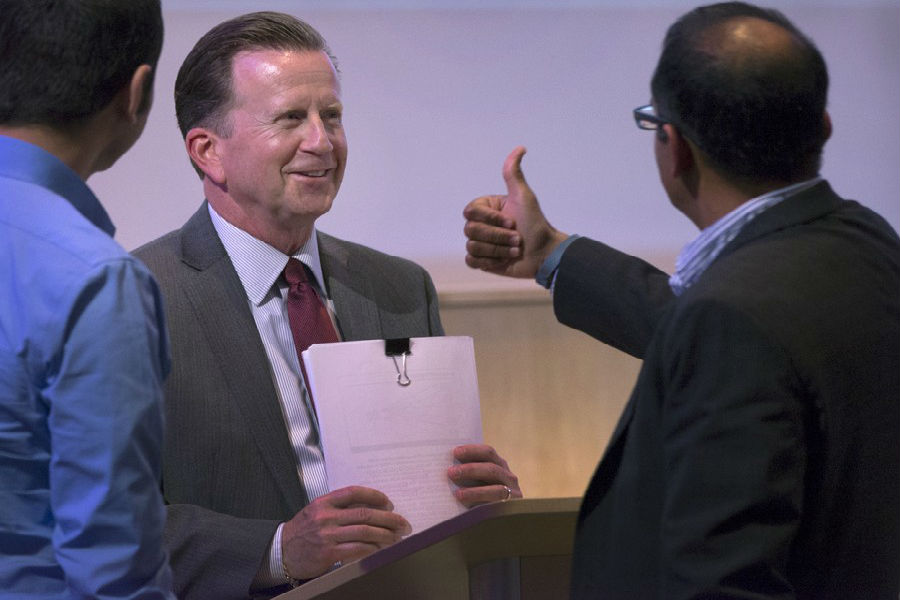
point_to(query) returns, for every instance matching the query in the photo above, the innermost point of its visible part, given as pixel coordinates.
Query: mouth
(313, 174)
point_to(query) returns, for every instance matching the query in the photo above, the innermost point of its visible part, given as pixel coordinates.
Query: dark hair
(203, 91)
(62, 61)
(757, 112)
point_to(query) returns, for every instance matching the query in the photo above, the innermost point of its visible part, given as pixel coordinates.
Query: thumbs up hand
(509, 235)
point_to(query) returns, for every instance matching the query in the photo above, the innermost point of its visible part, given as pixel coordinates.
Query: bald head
(748, 88)
(742, 39)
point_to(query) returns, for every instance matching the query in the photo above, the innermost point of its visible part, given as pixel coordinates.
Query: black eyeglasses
(645, 117)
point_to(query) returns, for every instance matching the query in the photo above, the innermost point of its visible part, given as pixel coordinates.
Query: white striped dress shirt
(259, 267)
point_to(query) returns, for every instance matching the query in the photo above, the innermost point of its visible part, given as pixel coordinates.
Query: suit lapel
(220, 304)
(351, 291)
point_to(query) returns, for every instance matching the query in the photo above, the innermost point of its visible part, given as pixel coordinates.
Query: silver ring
(508, 493)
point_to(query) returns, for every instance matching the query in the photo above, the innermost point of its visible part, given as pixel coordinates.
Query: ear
(827, 125)
(679, 152)
(139, 94)
(202, 146)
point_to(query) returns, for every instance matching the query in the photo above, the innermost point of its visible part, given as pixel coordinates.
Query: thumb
(512, 170)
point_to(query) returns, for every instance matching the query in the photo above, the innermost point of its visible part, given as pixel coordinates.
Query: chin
(105, 162)
(315, 207)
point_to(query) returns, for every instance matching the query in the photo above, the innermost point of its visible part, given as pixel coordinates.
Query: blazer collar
(348, 285)
(351, 290)
(200, 244)
(804, 207)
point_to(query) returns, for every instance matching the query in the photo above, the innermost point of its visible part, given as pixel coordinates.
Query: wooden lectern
(516, 550)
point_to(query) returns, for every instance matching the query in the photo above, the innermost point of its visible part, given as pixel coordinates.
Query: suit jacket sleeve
(615, 298)
(215, 555)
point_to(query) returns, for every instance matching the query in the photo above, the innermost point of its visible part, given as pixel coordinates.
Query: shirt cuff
(546, 275)
(271, 572)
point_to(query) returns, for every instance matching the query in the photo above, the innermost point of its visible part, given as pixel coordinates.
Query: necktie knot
(295, 273)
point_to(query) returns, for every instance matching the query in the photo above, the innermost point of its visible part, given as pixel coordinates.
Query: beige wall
(550, 395)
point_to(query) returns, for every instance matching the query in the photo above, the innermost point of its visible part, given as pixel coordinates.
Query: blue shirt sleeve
(106, 426)
(546, 275)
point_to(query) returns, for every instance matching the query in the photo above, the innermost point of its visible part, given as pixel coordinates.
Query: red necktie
(307, 315)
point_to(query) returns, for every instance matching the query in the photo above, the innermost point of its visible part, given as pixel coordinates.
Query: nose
(315, 138)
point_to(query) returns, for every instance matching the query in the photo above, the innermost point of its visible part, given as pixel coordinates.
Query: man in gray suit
(258, 103)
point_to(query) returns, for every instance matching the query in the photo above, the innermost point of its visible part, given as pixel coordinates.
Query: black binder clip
(399, 347)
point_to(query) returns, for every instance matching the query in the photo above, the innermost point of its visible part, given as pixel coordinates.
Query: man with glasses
(757, 456)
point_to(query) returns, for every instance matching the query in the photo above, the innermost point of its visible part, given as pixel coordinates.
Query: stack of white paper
(397, 439)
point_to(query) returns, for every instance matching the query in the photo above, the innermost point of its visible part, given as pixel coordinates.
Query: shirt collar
(26, 162)
(699, 254)
(258, 264)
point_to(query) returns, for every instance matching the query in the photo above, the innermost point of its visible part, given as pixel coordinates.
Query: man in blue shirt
(82, 341)
(757, 456)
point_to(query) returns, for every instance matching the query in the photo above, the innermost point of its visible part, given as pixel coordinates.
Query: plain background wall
(437, 93)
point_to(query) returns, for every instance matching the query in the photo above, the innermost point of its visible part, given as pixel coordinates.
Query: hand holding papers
(397, 438)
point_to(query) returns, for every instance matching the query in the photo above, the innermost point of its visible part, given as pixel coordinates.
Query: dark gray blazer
(759, 453)
(229, 473)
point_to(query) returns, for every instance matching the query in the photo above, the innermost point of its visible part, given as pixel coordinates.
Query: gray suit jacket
(229, 473)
